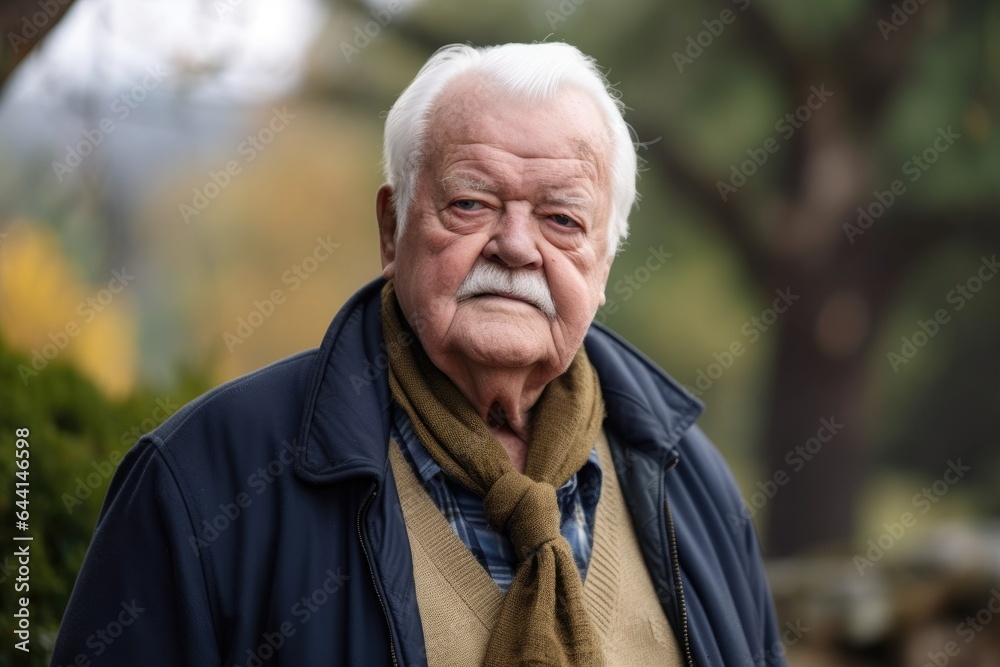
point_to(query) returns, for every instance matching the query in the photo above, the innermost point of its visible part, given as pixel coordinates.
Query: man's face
(522, 188)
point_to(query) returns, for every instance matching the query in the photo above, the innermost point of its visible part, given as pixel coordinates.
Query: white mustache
(489, 278)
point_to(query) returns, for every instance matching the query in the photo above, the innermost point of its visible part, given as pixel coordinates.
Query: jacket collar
(345, 424)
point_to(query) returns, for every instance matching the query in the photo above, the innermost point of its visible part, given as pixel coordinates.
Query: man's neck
(503, 398)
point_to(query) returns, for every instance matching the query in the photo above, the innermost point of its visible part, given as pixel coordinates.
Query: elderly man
(467, 471)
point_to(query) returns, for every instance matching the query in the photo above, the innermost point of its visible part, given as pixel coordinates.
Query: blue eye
(467, 204)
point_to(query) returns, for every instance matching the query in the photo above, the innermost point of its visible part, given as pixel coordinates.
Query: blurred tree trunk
(24, 23)
(814, 435)
(824, 342)
(829, 168)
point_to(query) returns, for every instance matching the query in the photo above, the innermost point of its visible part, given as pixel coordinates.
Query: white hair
(534, 72)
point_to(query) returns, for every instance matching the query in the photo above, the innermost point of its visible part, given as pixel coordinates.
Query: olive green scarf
(543, 620)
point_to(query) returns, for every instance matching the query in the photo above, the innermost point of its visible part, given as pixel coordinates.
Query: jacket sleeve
(141, 596)
(774, 649)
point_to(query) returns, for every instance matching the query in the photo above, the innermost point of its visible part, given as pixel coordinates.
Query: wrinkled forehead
(473, 111)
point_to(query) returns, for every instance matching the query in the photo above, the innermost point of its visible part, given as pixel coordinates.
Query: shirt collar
(346, 419)
(423, 463)
(428, 469)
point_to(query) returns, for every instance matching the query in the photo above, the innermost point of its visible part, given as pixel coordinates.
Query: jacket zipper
(678, 584)
(371, 571)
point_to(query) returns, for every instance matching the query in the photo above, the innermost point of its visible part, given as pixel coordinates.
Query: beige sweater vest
(459, 602)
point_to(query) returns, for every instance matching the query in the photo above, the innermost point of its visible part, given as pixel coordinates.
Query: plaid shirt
(464, 509)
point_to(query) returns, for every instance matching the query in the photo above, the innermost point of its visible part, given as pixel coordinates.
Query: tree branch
(921, 231)
(769, 44)
(876, 63)
(731, 221)
(23, 24)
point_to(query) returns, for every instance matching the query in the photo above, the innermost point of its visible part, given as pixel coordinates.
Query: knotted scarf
(543, 620)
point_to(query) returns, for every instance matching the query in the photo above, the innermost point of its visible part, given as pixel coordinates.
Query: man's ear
(385, 211)
(605, 274)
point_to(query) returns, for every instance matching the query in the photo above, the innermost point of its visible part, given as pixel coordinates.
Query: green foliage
(942, 403)
(77, 437)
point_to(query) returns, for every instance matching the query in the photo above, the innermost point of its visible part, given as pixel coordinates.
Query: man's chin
(503, 338)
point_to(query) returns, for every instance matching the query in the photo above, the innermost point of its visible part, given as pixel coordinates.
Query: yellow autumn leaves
(49, 312)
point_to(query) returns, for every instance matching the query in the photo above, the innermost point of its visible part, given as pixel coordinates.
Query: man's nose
(514, 238)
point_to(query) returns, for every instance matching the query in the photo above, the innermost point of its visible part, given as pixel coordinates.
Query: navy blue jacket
(260, 524)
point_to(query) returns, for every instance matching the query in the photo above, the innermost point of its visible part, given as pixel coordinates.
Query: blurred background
(187, 193)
